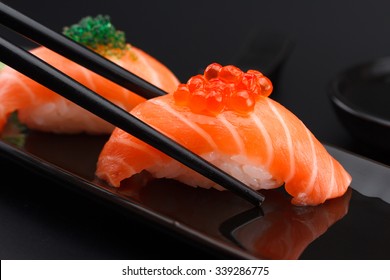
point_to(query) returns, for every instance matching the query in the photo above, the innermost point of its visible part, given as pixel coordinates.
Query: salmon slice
(42, 109)
(265, 149)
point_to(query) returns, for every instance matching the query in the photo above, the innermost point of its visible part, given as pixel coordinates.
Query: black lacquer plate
(355, 226)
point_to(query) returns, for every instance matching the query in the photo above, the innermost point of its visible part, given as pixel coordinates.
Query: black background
(328, 36)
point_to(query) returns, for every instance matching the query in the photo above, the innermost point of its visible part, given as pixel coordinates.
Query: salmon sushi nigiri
(226, 116)
(42, 109)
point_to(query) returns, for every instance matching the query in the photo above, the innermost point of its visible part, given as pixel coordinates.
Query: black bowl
(361, 98)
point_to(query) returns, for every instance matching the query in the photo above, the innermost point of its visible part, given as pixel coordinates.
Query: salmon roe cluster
(223, 88)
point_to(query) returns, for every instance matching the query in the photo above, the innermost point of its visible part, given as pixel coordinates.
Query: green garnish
(14, 131)
(17, 140)
(98, 34)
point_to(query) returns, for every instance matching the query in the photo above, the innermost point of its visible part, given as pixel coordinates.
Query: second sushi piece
(42, 109)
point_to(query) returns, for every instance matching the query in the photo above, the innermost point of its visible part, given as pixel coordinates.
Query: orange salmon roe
(223, 88)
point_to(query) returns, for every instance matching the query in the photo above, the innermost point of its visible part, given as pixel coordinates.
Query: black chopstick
(38, 70)
(59, 43)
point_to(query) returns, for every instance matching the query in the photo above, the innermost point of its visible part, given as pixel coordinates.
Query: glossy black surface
(42, 218)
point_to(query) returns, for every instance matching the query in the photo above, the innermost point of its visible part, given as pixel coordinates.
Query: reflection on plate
(220, 221)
